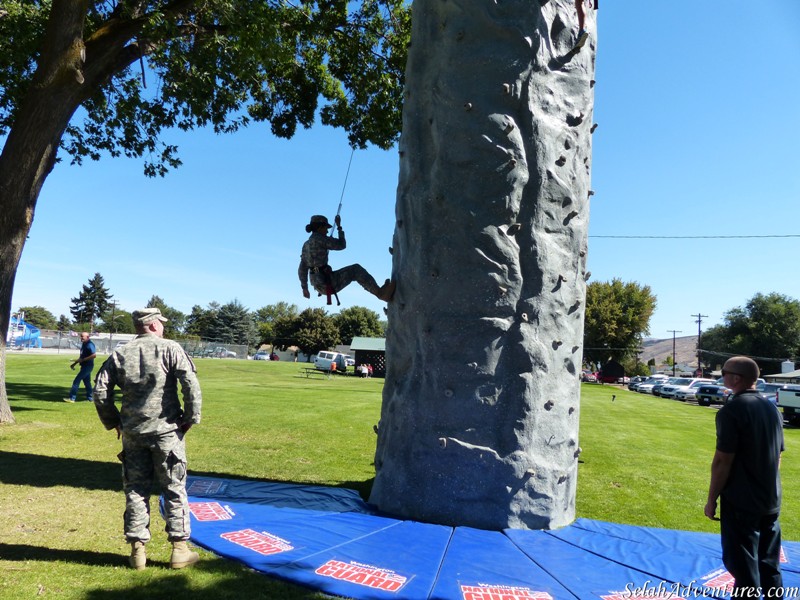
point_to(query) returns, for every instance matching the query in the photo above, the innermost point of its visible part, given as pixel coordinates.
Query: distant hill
(685, 350)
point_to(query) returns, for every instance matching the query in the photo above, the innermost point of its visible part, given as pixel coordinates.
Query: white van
(323, 360)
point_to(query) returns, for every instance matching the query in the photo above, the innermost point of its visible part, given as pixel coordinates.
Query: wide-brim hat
(318, 220)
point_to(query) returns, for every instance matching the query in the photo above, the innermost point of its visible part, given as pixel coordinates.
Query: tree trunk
(62, 81)
(479, 422)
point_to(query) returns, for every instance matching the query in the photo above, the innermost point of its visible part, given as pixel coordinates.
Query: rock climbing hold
(587, 276)
(513, 229)
(593, 128)
(562, 160)
(443, 442)
(591, 193)
(468, 106)
(575, 120)
(506, 88)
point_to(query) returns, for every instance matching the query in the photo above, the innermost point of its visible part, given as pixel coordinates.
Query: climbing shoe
(583, 35)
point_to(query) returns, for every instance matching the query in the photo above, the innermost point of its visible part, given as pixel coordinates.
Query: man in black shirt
(745, 476)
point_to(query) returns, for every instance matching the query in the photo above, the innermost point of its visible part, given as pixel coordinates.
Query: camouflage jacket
(315, 253)
(147, 370)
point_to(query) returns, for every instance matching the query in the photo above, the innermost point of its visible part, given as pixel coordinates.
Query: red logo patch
(368, 576)
(501, 592)
(209, 511)
(262, 543)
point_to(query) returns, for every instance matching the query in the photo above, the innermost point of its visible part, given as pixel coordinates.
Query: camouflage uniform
(315, 255)
(148, 370)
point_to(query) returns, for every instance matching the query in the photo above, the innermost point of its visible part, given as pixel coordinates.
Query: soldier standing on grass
(152, 424)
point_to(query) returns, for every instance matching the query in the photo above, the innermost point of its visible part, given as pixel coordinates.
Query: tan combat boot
(138, 558)
(182, 556)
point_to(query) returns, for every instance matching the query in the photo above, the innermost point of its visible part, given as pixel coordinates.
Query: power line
(694, 237)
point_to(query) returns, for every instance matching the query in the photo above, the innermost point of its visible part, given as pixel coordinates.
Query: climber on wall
(583, 35)
(314, 264)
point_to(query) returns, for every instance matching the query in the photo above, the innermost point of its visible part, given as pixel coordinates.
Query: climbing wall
(479, 422)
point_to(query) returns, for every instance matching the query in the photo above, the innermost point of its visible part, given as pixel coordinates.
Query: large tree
(217, 63)
(767, 328)
(617, 318)
(267, 319)
(358, 321)
(39, 316)
(479, 422)
(313, 330)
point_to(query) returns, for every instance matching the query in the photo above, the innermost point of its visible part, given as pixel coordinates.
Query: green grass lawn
(645, 461)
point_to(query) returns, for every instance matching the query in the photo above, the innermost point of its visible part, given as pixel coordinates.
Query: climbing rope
(341, 198)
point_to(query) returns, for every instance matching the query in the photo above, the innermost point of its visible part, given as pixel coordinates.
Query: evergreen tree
(235, 324)
(91, 302)
(64, 323)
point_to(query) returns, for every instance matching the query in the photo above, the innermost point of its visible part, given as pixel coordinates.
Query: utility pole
(673, 332)
(699, 322)
(113, 326)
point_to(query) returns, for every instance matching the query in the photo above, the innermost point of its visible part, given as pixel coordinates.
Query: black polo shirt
(751, 427)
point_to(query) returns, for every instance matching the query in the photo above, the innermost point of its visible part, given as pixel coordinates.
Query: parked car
(324, 359)
(656, 391)
(588, 377)
(673, 383)
(788, 399)
(688, 392)
(261, 355)
(686, 385)
(712, 393)
(349, 360)
(770, 391)
(646, 387)
(635, 381)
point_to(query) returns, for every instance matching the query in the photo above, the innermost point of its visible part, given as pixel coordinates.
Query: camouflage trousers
(146, 459)
(341, 278)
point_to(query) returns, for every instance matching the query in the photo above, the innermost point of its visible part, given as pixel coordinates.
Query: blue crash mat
(331, 540)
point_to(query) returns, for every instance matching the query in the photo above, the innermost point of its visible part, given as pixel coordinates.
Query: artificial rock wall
(479, 422)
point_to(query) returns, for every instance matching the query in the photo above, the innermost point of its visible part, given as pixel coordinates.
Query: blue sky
(698, 128)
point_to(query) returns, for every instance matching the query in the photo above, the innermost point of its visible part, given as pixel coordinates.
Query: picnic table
(309, 371)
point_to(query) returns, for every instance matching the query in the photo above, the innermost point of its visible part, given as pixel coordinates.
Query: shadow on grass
(41, 393)
(362, 487)
(234, 581)
(35, 470)
(40, 553)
